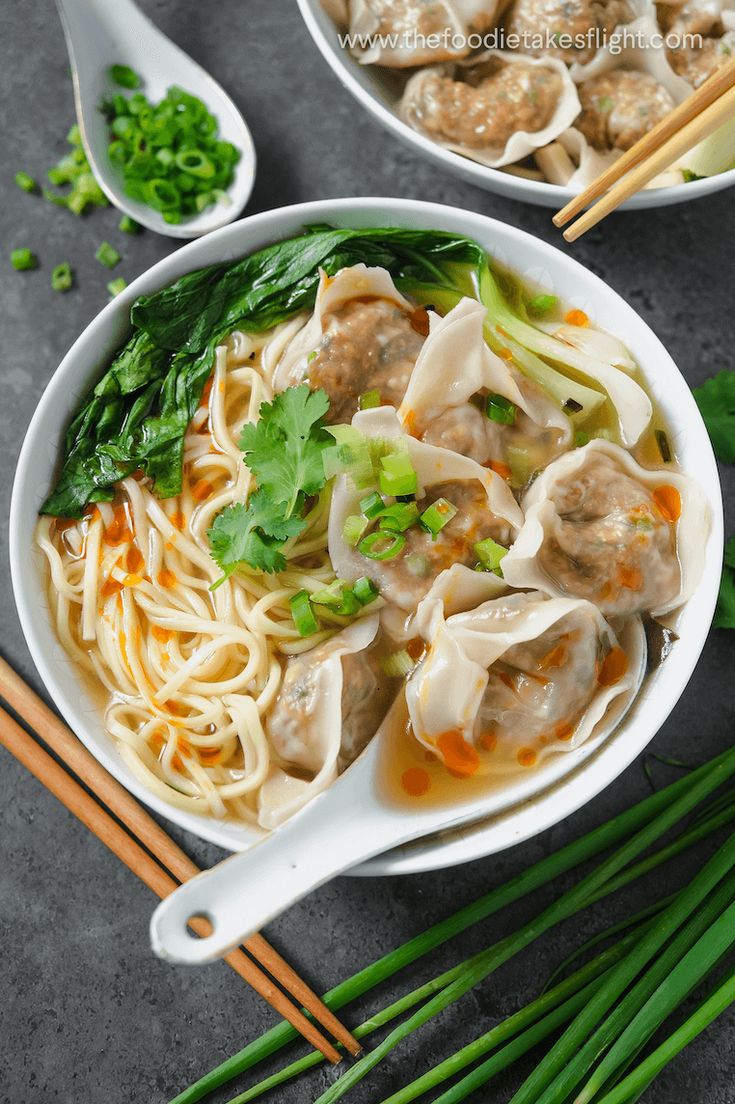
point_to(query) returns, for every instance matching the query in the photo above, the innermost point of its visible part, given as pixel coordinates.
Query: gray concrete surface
(86, 1013)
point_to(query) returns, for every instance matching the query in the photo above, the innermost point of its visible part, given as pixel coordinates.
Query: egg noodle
(190, 671)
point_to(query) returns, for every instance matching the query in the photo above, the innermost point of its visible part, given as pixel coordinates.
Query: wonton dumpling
(316, 728)
(485, 508)
(455, 364)
(710, 21)
(363, 335)
(411, 22)
(619, 107)
(495, 108)
(601, 527)
(546, 21)
(516, 678)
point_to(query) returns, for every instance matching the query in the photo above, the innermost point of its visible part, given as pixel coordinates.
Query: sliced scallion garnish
(302, 613)
(368, 400)
(26, 182)
(124, 76)
(501, 410)
(353, 529)
(114, 287)
(23, 260)
(490, 554)
(398, 664)
(381, 545)
(61, 277)
(365, 590)
(436, 516)
(399, 517)
(107, 255)
(371, 505)
(397, 475)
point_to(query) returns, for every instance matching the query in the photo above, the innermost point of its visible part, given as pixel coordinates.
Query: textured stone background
(87, 1013)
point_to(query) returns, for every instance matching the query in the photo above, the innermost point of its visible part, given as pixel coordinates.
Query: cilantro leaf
(284, 448)
(251, 534)
(725, 616)
(716, 402)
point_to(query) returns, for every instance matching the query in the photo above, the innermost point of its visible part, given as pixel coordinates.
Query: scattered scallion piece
(23, 260)
(571, 406)
(170, 153)
(371, 505)
(417, 565)
(128, 225)
(61, 277)
(107, 255)
(338, 597)
(26, 182)
(581, 438)
(368, 400)
(74, 169)
(397, 475)
(365, 590)
(302, 613)
(116, 286)
(399, 517)
(663, 446)
(124, 76)
(398, 664)
(381, 545)
(490, 554)
(541, 304)
(354, 527)
(499, 409)
(436, 516)
(520, 466)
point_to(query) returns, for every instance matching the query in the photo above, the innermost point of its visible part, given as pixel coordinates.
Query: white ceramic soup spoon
(101, 33)
(361, 815)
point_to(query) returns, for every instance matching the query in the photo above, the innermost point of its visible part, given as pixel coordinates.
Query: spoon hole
(200, 925)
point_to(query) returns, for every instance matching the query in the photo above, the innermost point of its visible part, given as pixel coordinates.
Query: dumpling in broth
(484, 504)
(518, 677)
(495, 108)
(363, 335)
(601, 527)
(316, 728)
(450, 384)
(395, 32)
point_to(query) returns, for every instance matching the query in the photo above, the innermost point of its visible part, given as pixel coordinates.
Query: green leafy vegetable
(284, 452)
(725, 616)
(716, 402)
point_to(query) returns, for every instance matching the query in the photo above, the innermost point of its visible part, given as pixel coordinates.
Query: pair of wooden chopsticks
(694, 119)
(170, 866)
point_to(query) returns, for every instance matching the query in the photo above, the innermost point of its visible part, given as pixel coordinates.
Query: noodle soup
(375, 483)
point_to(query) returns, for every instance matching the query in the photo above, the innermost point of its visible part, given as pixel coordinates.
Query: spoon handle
(240, 895)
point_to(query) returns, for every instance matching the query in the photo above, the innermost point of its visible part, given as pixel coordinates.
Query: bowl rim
(516, 187)
(580, 783)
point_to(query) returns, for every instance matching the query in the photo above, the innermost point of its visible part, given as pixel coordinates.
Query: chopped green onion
(350, 456)
(116, 286)
(520, 466)
(436, 516)
(397, 476)
(398, 664)
(417, 565)
(302, 613)
(499, 409)
(663, 446)
(312, 356)
(399, 517)
(61, 277)
(368, 400)
(196, 163)
(124, 76)
(365, 590)
(371, 505)
(581, 438)
(571, 406)
(26, 182)
(23, 259)
(74, 135)
(489, 554)
(338, 597)
(107, 255)
(381, 545)
(129, 226)
(541, 304)
(354, 527)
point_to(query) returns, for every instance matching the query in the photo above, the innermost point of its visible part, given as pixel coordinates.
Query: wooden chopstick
(41, 719)
(691, 110)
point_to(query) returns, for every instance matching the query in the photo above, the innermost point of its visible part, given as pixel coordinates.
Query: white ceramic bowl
(371, 86)
(569, 781)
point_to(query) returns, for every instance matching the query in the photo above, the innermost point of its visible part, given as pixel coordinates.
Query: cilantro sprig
(725, 616)
(716, 402)
(283, 450)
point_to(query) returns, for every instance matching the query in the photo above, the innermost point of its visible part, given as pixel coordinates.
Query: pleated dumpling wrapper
(316, 728)
(495, 108)
(362, 335)
(600, 526)
(521, 676)
(456, 364)
(402, 33)
(484, 505)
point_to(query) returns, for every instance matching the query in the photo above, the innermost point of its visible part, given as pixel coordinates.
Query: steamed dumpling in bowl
(521, 675)
(540, 23)
(495, 108)
(394, 33)
(619, 107)
(601, 527)
(711, 43)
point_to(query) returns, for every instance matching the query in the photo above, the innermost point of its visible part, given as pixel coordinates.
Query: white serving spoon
(356, 818)
(101, 33)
